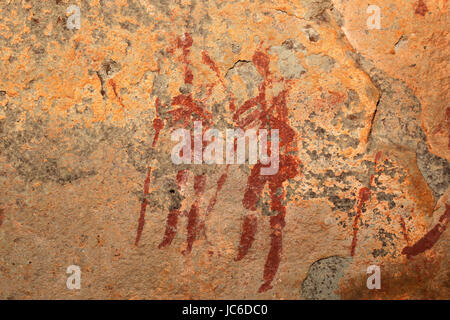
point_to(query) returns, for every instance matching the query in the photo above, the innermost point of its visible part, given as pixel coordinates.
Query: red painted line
(274, 257)
(2, 215)
(171, 228)
(429, 239)
(213, 66)
(404, 231)
(192, 227)
(143, 207)
(172, 218)
(113, 85)
(447, 118)
(378, 157)
(249, 228)
(220, 184)
(186, 45)
(158, 124)
(255, 185)
(364, 194)
(210, 62)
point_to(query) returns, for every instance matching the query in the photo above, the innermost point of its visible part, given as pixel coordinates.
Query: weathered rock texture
(86, 176)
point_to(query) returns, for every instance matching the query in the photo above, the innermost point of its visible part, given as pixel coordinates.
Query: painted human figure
(262, 114)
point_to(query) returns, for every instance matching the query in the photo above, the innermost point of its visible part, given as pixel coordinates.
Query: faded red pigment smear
(336, 98)
(143, 207)
(421, 8)
(210, 62)
(377, 159)
(364, 194)
(448, 125)
(172, 219)
(405, 233)
(114, 87)
(207, 60)
(429, 239)
(187, 109)
(213, 200)
(275, 116)
(262, 61)
(186, 44)
(213, 66)
(158, 124)
(192, 226)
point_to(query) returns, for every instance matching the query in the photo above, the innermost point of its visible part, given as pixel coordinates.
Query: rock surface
(87, 178)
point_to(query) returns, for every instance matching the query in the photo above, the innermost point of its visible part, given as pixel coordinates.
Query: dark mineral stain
(322, 279)
(342, 204)
(435, 170)
(40, 160)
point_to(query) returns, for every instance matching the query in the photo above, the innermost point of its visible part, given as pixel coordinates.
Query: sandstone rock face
(87, 115)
